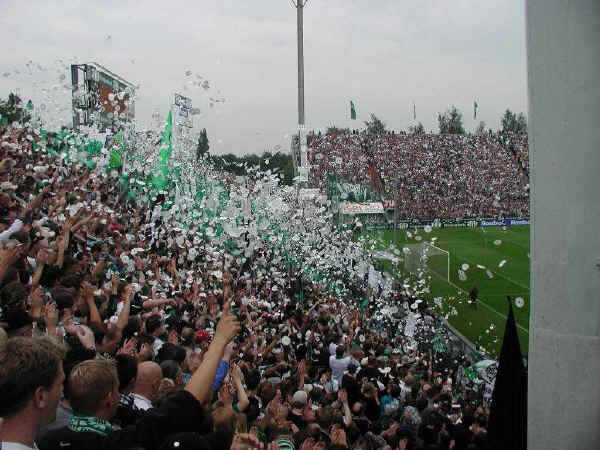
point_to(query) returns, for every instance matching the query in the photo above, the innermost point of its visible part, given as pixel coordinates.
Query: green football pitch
(504, 256)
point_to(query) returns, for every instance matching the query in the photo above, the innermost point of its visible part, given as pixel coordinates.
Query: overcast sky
(383, 54)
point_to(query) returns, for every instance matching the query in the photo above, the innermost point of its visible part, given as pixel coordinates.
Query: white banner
(362, 208)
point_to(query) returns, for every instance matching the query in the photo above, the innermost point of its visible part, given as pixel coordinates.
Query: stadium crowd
(121, 332)
(434, 176)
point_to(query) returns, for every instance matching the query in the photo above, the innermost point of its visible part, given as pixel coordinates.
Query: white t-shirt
(141, 402)
(158, 343)
(338, 367)
(16, 446)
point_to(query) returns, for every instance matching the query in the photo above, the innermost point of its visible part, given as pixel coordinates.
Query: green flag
(438, 339)
(116, 160)
(352, 111)
(161, 176)
(475, 106)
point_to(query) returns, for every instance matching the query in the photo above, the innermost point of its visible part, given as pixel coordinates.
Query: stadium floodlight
(299, 5)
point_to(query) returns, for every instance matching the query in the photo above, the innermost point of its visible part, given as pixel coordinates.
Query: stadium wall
(563, 65)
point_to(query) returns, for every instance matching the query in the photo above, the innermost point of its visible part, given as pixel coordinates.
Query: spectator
(107, 277)
(31, 383)
(149, 375)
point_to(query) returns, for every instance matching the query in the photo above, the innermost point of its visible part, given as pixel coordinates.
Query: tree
(332, 129)
(480, 130)
(375, 125)
(279, 162)
(451, 122)
(513, 123)
(203, 145)
(417, 129)
(12, 110)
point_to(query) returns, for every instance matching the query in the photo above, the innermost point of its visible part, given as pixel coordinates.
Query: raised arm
(200, 383)
(37, 201)
(124, 314)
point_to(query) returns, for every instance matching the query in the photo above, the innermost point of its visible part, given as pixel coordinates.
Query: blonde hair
(90, 382)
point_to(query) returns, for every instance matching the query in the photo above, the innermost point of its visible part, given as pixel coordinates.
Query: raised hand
(128, 347)
(245, 441)
(9, 256)
(236, 373)
(51, 315)
(228, 326)
(36, 299)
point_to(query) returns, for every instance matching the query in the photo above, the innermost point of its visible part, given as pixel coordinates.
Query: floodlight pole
(299, 5)
(396, 185)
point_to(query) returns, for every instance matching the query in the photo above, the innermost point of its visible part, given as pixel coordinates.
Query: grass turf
(484, 326)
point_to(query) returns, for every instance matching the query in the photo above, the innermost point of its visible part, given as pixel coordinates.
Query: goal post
(426, 256)
(438, 260)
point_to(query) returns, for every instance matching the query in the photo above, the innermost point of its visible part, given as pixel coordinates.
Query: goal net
(425, 256)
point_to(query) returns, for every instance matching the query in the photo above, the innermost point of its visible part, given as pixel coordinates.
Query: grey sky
(382, 54)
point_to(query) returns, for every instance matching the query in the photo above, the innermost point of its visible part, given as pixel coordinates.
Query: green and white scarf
(82, 422)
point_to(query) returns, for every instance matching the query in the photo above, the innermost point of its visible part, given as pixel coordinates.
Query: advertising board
(362, 208)
(110, 100)
(459, 223)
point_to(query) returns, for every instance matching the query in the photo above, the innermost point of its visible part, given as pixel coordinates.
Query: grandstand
(437, 176)
(455, 187)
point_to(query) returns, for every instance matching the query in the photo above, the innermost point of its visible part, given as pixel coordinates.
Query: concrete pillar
(563, 66)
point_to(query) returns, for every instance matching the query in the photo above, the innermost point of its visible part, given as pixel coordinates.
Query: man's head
(112, 338)
(154, 325)
(94, 388)
(31, 378)
(148, 379)
(299, 400)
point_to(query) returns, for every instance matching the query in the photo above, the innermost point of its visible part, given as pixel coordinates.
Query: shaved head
(148, 378)
(148, 371)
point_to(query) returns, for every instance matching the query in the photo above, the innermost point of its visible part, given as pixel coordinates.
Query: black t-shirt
(178, 414)
(352, 388)
(253, 410)
(298, 420)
